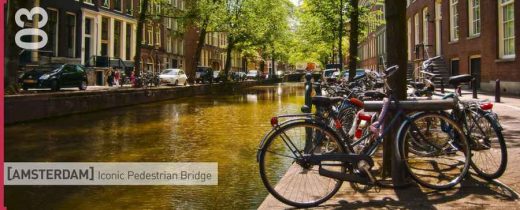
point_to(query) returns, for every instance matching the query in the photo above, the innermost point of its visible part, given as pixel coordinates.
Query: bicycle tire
(417, 168)
(266, 176)
(503, 150)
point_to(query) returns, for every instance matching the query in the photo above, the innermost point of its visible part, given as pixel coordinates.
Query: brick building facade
(473, 36)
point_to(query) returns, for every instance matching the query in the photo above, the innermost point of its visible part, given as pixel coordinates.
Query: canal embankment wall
(29, 107)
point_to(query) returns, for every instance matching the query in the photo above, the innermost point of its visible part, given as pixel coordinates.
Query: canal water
(219, 128)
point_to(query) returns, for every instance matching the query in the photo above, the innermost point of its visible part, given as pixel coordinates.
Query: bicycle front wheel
(434, 150)
(286, 174)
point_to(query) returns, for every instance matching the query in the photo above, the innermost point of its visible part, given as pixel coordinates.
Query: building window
(454, 20)
(425, 26)
(52, 31)
(150, 35)
(416, 28)
(474, 17)
(106, 3)
(506, 26)
(158, 36)
(104, 36)
(129, 7)
(128, 41)
(118, 5)
(117, 39)
(71, 35)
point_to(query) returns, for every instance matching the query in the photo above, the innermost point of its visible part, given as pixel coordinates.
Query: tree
(397, 55)
(139, 37)
(354, 38)
(204, 16)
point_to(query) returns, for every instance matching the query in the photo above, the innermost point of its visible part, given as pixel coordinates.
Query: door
(68, 76)
(454, 67)
(474, 64)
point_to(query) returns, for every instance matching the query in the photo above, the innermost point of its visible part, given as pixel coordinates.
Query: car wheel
(185, 82)
(176, 83)
(83, 85)
(55, 86)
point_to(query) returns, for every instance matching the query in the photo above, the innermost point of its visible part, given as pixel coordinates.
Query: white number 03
(31, 31)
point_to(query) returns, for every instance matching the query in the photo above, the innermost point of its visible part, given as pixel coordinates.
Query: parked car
(238, 76)
(280, 74)
(359, 73)
(218, 76)
(55, 76)
(204, 75)
(330, 75)
(174, 77)
(253, 74)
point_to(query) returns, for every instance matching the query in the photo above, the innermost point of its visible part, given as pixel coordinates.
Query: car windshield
(252, 72)
(328, 73)
(49, 67)
(167, 71)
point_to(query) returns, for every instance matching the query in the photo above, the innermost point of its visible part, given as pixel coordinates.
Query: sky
(295, 2)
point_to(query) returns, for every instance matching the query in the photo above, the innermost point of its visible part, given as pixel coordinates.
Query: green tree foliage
(317, 30)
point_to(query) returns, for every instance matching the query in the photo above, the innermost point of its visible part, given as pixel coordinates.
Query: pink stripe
(2, 63)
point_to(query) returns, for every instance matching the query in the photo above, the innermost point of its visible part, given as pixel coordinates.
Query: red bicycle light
(486, 106)
(338, 124)
(274, 121)
(365, 117)
(357, 102)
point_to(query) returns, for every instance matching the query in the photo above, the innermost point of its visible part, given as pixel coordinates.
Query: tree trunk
(229, 51)
(200, 44)
(353, 39)
(139, 37)
(396, 31)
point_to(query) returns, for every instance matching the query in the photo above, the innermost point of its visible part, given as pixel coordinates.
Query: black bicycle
(304, 161)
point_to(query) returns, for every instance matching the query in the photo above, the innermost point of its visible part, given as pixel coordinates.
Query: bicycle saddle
(358, 77)
(417, 85)
(463, 78)
(374, 94)
(325, 101)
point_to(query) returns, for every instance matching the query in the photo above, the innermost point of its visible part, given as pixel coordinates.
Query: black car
(204, 75)
(55, 76)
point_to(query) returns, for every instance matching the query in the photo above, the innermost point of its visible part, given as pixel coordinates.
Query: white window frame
(501, 32)
(454, 21)
(475, 24)
(425, 26)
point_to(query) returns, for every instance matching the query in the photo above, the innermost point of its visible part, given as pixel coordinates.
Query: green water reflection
(219, 128)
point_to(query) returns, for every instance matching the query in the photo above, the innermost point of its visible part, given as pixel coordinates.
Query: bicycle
(304, 161)
(483, 131)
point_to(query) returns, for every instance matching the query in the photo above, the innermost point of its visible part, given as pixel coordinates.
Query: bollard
(307, 108)
(474, 88)
(308, 94)
(442, 86)
(497, 91)
(317, 88)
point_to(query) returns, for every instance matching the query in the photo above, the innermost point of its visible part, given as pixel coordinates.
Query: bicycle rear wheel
(285, 173)
(488, 147)
(434, 150)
